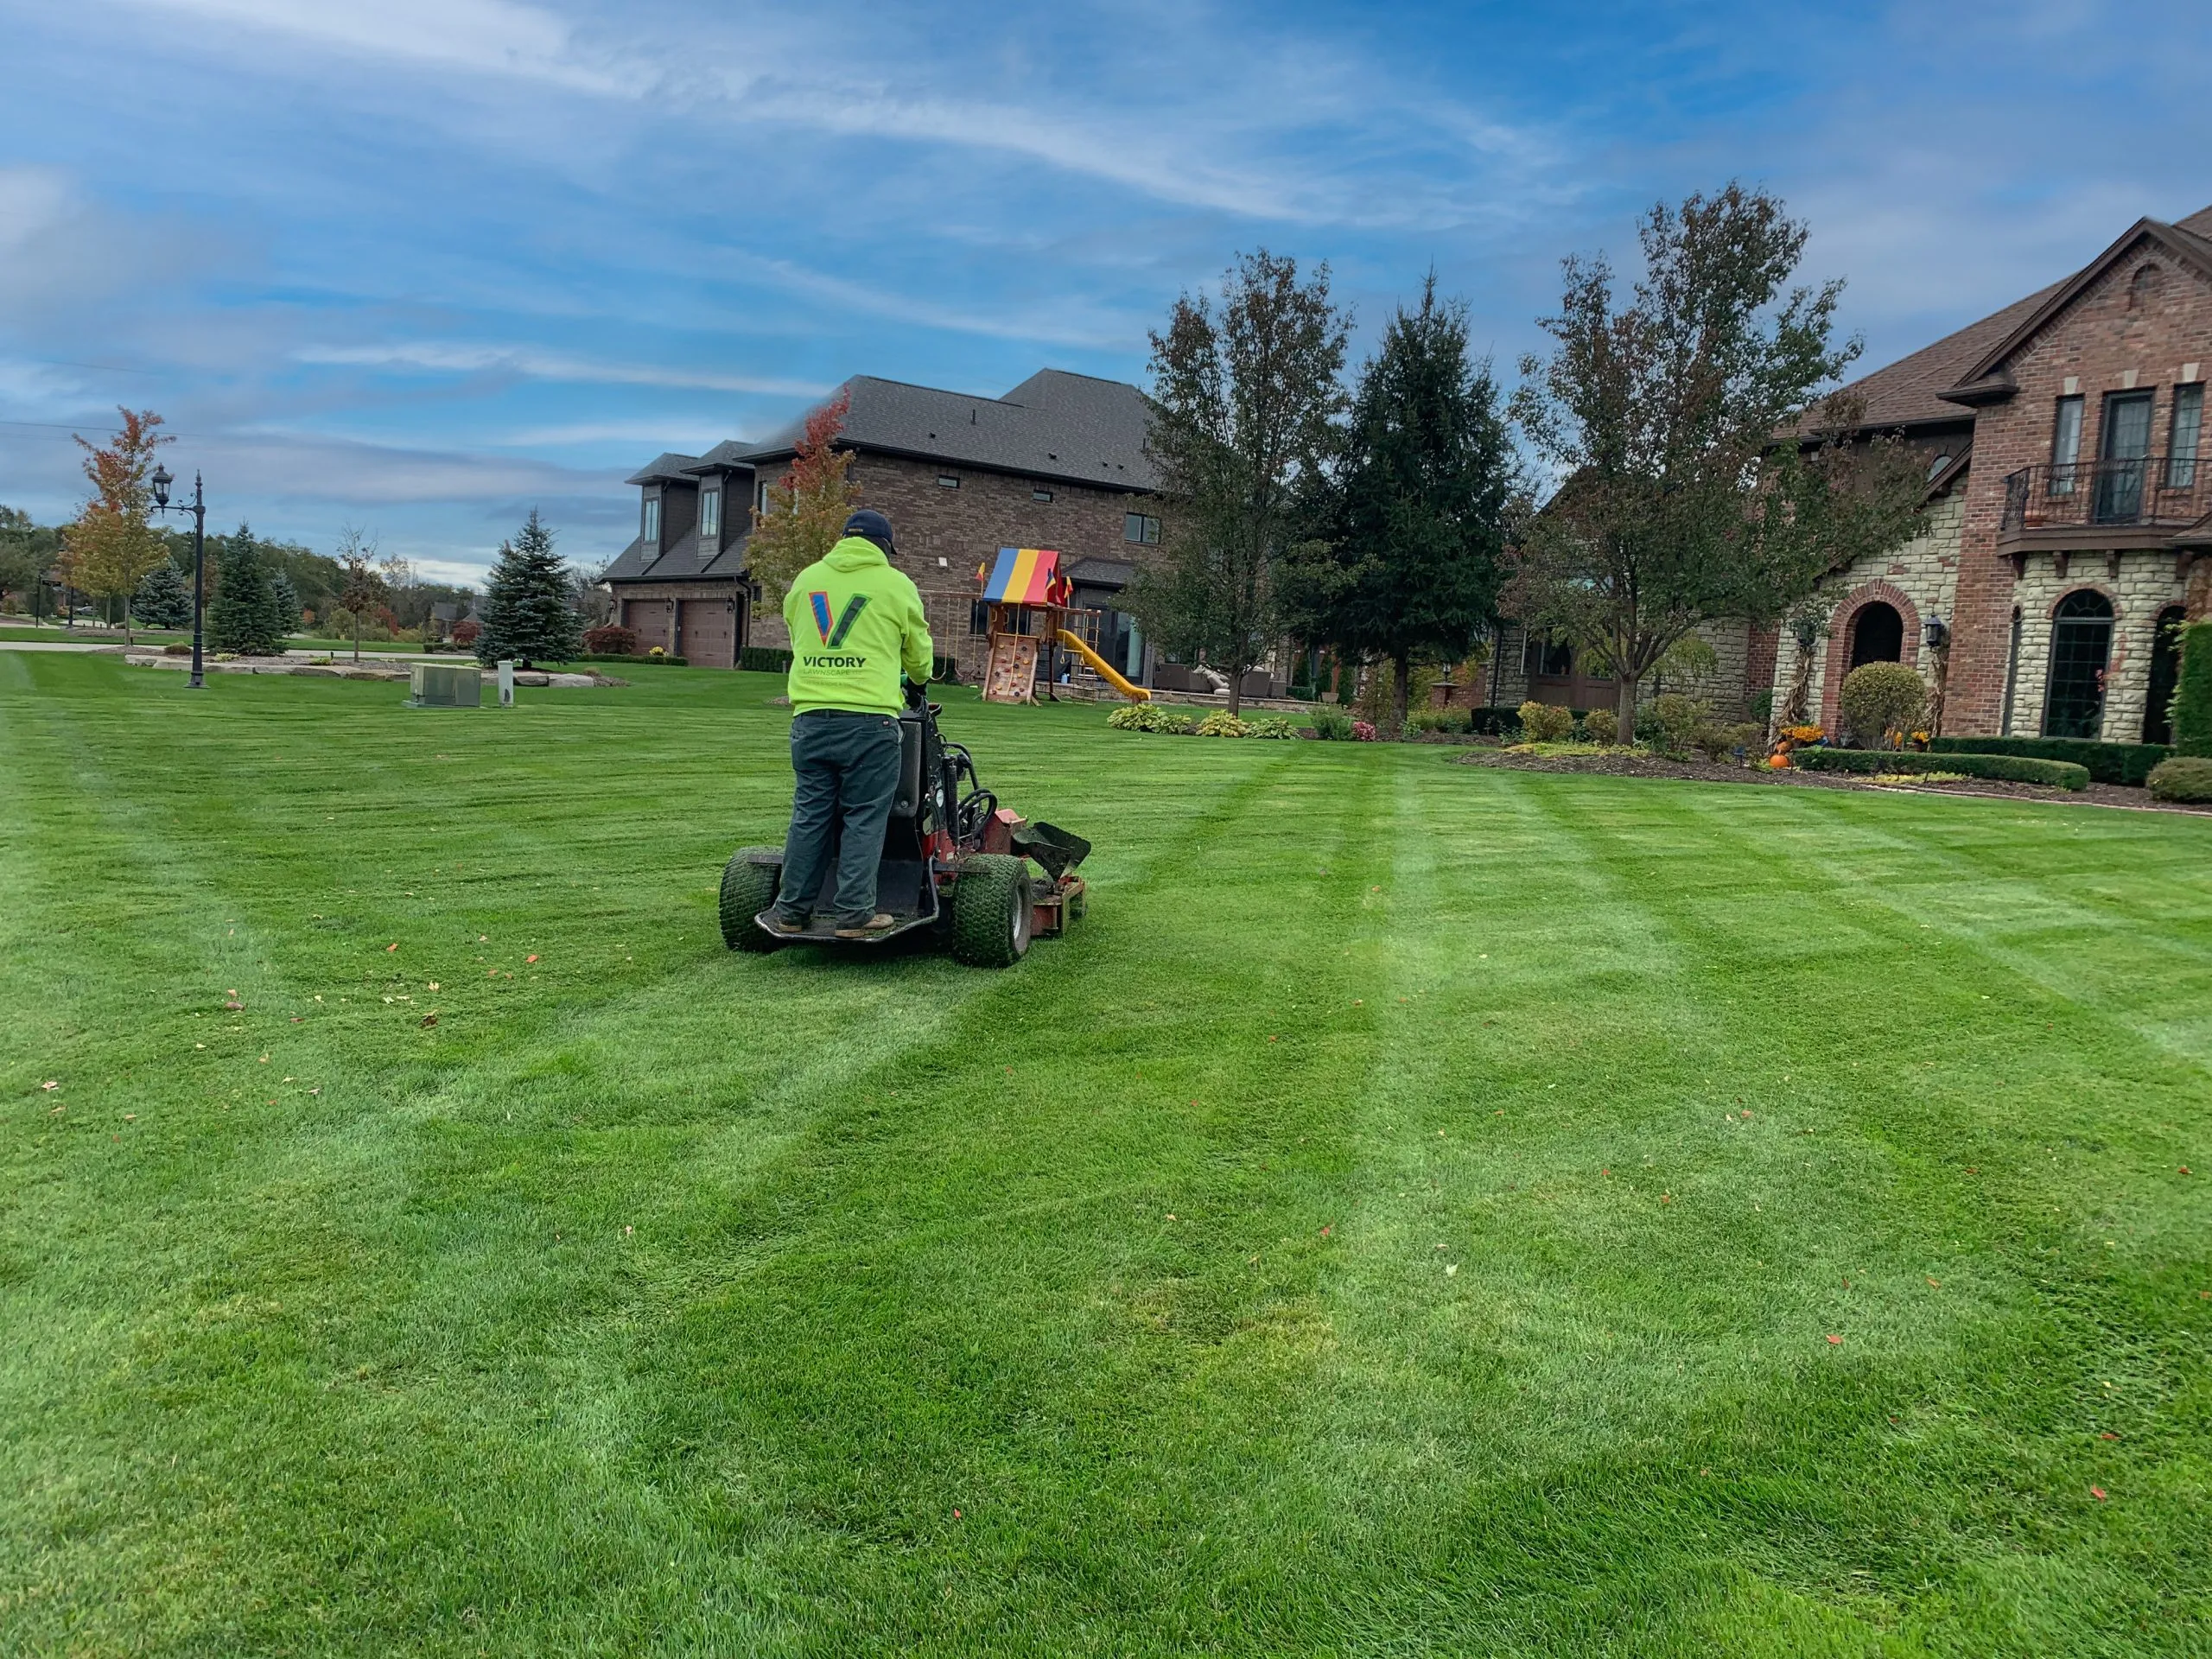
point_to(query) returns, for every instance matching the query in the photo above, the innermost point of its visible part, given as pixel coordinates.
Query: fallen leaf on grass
(393, 946)
(49, 1086)
(264, 1059)
(529, 958)
(1451, 1267)
(433, 984)
(430, 1020)
(1326, 1230)
(1835, 1342)
(2097, 1492)
(2108, 1435)
(1935, 1284)
(235, 1006)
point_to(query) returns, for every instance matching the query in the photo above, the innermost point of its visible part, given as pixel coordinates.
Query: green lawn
(1410, 1215)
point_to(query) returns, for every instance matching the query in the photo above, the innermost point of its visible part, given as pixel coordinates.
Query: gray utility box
(444, 685)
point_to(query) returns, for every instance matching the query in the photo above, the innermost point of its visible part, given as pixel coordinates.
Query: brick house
(2070, 513)
(1058, 462)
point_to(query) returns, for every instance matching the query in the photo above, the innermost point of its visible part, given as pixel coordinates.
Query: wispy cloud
(443, 357)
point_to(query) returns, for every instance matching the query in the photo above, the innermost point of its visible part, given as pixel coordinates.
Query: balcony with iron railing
(2151, 490)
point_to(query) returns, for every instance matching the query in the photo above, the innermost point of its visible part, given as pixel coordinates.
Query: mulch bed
(1652, 765)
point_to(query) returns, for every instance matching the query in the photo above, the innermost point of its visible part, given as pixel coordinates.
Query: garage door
(709, 631)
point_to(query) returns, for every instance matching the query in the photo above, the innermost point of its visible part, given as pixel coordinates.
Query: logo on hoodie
(834, 634)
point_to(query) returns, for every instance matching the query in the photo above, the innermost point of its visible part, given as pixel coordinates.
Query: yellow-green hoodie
(854, 622)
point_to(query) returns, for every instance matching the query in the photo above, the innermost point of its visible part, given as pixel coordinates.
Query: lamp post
(197, 509)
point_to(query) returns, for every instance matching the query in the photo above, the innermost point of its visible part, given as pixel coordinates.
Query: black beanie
(874, 525)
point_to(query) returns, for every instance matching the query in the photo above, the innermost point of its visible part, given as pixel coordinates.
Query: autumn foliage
(110, 548)
(806, 507)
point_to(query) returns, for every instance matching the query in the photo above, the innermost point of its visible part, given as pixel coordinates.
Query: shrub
(1274, 726)
(2005, 768)
(2186, 777)
(1448, 721)
(613, 640)
(1131, 717)
(765, 659)
(464, 631)
(2191, 709)
(1881, 703)
(1674, 720)
(1175, 725)
(2108, 763)
(1332, 724)
(1763, 711)
(1362, 732)
(1222, 723)
(1544, 722)
(1599, 726)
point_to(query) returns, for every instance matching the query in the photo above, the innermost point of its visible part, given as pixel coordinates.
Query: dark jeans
(848, 768)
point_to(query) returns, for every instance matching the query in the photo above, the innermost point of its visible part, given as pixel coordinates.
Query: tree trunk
(128, 639)
(1401, 668)
(356, 639)
(1624, 710)
(1236, 691)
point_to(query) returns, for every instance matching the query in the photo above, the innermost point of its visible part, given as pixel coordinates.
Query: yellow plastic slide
(1103, 669)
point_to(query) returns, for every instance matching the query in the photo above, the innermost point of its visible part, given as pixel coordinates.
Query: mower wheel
(749, 882)
(991, 910)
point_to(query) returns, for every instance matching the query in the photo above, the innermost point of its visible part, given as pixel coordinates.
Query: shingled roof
(1054, 425)
(1909, 392)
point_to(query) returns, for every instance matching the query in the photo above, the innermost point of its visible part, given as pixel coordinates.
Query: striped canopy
(1022, 576)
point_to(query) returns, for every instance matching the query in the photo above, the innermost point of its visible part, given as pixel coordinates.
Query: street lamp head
(162, 480)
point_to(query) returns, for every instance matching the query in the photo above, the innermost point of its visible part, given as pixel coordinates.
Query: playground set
(1031, 606)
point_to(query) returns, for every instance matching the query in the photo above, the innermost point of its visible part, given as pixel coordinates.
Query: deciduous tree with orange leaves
(109, 550)
(807, 508)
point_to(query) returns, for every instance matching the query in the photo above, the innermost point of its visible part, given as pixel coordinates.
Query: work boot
(777, 922)
(881, 922)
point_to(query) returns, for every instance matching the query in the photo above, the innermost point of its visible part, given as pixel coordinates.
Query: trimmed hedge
(617, 657)
(2107, 763)
(2005, 768)
(2185, 778)
(2192, 704)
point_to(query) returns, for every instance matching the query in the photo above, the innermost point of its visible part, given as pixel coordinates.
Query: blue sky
(421, 264)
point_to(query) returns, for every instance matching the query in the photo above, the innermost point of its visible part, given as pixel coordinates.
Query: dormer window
(650, 531)
(710, 514)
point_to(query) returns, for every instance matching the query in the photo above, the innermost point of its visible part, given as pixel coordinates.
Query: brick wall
(943, 533)
(2101, 344)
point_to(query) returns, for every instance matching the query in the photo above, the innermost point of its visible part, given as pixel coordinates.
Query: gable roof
(1913, 391)
(670, 468)
(1053, 425)
(684, 559)
(1984, 380)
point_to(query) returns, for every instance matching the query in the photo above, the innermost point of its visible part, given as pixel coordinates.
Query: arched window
(2143, 288)
(2166, 672)
(1877, 634)
(2081, 645)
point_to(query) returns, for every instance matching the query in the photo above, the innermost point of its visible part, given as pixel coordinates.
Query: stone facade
(2139, 586)
(2010, 537)
(1919, 581)
(1742, 656)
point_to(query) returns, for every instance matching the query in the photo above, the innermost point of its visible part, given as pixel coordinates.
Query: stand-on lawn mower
(955, 862)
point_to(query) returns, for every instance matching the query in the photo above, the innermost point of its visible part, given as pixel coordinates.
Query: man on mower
(854, 622)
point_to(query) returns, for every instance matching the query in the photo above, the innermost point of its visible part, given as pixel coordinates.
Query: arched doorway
(1877, 634)
(2166, 672)
(2081, 645)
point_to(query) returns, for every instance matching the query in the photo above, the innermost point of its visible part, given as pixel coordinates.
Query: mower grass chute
(956, 863)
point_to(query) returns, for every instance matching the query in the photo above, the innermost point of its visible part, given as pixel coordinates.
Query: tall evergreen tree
(163, 599)
(525, 611)
(1414, 515)
(243, 619)
(283, 605)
